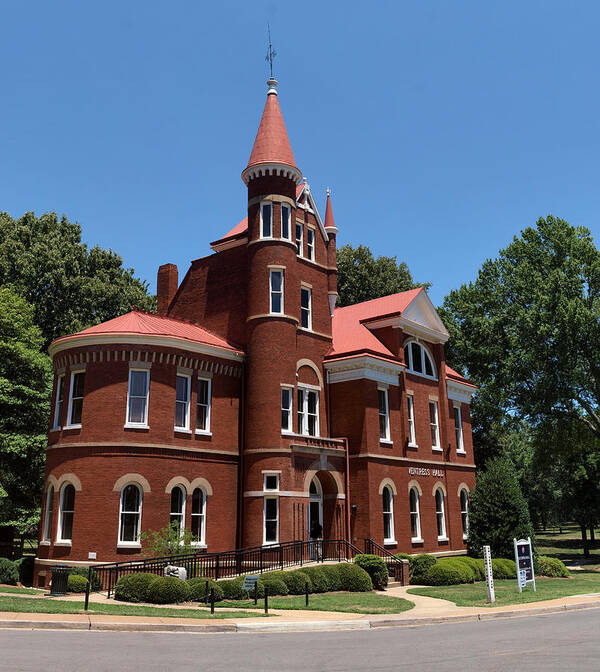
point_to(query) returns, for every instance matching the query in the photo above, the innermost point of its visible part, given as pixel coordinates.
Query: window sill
(129, 544)
(62, 543)
(45, 543)
(55, 429)
(465, 537)
(386, 442)
(130, 425)
(306, 329)
(285, 432)
(416, 540)
(72, 426)
(271, 543)
(443, 539)
(436, 449)
(413, 445)
(182, 430)
(390, 542)
(461, 452)
(198, 545)
(203, 432)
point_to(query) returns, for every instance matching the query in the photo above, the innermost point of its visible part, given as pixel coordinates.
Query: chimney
(166, 285)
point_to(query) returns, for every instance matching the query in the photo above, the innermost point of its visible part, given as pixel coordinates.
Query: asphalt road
(566, 641)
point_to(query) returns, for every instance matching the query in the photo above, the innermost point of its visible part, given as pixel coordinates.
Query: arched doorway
(315, 509)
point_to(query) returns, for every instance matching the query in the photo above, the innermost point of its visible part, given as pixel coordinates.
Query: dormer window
(266, 220)
(418, 360)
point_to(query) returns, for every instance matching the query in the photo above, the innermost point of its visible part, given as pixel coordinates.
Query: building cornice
(280, 169)
(367, 367)
(459, 391)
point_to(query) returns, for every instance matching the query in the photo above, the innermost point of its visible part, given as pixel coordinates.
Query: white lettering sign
(422, 471)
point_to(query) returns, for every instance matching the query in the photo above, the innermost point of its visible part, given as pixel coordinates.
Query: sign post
(524, 560)
(489, 576)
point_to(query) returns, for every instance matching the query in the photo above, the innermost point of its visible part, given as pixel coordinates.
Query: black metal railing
(228, 564)
(397, 568)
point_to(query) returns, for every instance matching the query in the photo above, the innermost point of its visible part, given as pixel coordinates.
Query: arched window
(464, 512)
(415, 516)
(440, 514)
(199, 516)
(66, 509)
(130, 515)
(418, 360)
(48, 514)
(388, 514)
(177, 517)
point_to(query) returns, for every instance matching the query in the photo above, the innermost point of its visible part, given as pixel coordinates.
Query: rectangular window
(458, 431)
(137, 397)
(433, 423)
(412, 437)
(182, 402)
(266, 220)
(271, 520)
(306, 307)
(299, 242)
(203, 406)
(286, 409)
(285, 222)
(310, 244)
(271, 482)
(308, 412)
(58, 404)
(384, 415)
(276, 281)
(76, 398)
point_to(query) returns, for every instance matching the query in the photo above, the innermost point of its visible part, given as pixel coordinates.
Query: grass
(354, 603)
(55, 606)
(507, 592)
(565, 543)
(21, 591)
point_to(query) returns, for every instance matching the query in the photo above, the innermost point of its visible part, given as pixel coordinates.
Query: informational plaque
(524, 560)
(489, 576)
(250, 580)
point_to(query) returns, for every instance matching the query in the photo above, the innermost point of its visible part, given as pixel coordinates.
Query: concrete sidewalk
(427, 610)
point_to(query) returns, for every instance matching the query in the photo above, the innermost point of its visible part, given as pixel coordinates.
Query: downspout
(242, 448)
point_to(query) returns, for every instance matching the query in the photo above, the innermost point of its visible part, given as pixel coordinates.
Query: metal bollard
(87, 589)
(266, 600)
(306, 592)
(212, 600)
(206, 594)
(256, 593)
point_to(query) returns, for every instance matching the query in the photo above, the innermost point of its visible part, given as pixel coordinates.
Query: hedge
(296, 582)
(375, 568)
(466, 573)
(503, 568)
(320, 579)
(95, 582)
(476, 564)
(168, 590)
(444, 575)
(76, 583)
(419, 567)
(232, 589)
(197, 587)
(274, 584)
(354, 579)
(552, 567)
(134, 587)
(8, 572)
(332, 576)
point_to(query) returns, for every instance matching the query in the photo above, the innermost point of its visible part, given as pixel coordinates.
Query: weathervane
(271, 53)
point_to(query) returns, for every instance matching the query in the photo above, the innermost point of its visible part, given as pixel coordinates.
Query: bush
(332, 577)
(552, 567)
(274, 584)
(168, 590)
(443, 575)
(232, 589)
(419, 567)
(197, 588)
(467, 575)
(504, 569)
(354, 578)
(95, 582)
(76, 583)
(8, 572)
(25, 569)
(134, 587)
(476, 564)
(321, 580)
(375, 568)
(296, 582)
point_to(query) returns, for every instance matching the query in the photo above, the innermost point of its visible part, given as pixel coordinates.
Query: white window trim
(460, 448)
(290, 428)
(144, 424)
(59, 538)
(418, 539)
(435, 446)
(202, 542)
(310, 249)
(289, 210)
(444, 535)
(270, 236)
(305, 388)
(130, 544)
(412, 431)
(387, 437)
(389, 540)
(465, 511)
(299, 247)
(70, 408)
(409, 363)
(277, 474)
(271, 292)
(47, 531)
(60, 385)
(276, 541)
(186, 427)
(309, 290)
(183, 503)
(207, 431)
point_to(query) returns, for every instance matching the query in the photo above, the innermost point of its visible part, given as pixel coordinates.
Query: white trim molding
(459, 392)
(371, 368)
(260, 169)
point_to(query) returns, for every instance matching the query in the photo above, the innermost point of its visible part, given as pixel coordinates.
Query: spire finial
(271, 53)
(328, 191)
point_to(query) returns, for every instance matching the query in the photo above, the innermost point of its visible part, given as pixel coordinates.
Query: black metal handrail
(396, 567)
(228, 564)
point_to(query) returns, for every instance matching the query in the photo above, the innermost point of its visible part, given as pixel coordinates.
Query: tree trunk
(586, 549)
(592, 536)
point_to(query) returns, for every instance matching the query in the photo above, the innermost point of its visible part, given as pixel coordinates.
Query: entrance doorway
(315, 516)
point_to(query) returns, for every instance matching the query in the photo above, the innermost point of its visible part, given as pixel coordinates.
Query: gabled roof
(139, 323)
(451, 374)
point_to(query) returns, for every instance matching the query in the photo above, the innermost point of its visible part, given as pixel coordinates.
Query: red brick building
(249, 409)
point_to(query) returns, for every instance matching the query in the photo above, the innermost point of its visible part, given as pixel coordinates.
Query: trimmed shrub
(76, 583)
(476, 564)
(332, 576)
(197, 588)
(274, 584)
(504, 569)
(168, 590)
(296, 582)
(95, 582)
(25, 569)
(8, 572)
(419, 567)
(232, 589)
(442, 575)
(552, 567)
(320, 579)
(134, 587)
(354, 578)
(467, 575)
(375, 568)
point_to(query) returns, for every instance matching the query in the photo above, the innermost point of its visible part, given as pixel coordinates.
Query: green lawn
(55, 606)
(507, 592)
(20, 591)
(355, 603)
(565, 543)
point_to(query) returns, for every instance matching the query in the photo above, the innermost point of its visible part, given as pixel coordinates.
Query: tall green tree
(25, 386)
(362, 277)
(69, 286)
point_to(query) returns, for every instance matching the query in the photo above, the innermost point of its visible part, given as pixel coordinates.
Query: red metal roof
(138, 322)
(453, 375)
(329, 222)
(272, 144)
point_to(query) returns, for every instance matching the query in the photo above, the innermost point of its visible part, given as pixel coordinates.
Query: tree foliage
(362, 277)
(70, 286)
(25, 385)
(498, 511)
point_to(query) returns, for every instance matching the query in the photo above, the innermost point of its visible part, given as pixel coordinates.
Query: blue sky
(443, 128)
